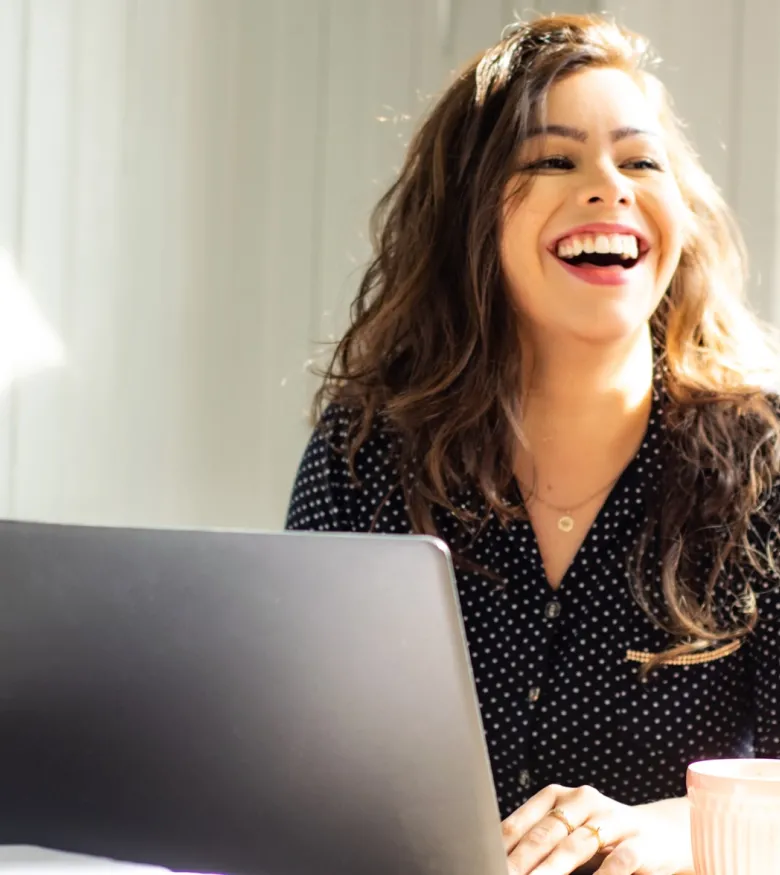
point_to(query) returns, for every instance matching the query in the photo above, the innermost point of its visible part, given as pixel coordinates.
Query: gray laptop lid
(224, 702)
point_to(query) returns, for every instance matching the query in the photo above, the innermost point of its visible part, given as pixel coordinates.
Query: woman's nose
(607, 188)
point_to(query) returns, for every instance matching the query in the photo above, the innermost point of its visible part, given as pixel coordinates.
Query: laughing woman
(550, 366)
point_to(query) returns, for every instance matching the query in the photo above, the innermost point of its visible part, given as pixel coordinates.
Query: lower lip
(601, 276)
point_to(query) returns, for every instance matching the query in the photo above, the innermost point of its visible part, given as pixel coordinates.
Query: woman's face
(590, 247)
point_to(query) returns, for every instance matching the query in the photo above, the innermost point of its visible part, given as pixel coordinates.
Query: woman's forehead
(597, 101)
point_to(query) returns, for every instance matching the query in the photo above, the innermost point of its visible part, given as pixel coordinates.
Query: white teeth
(625, 245)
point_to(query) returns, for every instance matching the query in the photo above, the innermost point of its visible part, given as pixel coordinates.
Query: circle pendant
(565, 523)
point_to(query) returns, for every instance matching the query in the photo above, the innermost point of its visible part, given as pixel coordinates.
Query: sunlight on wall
(27, 342)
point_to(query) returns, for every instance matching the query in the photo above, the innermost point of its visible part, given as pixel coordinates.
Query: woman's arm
(673, 817)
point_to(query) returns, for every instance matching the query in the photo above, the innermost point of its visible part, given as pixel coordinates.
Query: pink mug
(735, 816)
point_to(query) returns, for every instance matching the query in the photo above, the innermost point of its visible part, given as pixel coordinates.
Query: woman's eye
(642, 164)
(554, 162)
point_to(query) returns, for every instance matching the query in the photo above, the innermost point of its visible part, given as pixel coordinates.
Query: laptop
(238, 702)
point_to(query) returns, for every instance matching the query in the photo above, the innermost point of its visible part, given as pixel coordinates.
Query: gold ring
(596, 830)
(558, 814)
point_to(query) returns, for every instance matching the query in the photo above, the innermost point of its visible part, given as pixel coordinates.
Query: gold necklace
(566, 521)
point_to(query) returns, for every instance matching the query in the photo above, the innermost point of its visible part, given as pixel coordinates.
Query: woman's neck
(594, 393)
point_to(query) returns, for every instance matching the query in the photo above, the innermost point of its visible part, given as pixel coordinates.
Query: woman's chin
(606, 330)
(611, 319)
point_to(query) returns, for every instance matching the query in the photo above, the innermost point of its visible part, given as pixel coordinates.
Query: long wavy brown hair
(432, 347)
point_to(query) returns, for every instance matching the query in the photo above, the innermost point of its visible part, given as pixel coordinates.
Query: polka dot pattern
(560, 699)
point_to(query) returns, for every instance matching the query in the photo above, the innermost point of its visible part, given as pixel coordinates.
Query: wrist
(672, 818)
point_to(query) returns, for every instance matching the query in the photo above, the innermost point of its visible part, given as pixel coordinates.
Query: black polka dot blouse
(557, 671)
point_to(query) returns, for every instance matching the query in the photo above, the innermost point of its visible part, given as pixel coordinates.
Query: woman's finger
(573, 806)
(536, 845)
(581, 823)
(568, 854)
(633, 857)
(520, 822)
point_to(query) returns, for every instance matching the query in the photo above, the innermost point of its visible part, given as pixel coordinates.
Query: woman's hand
(561, 829)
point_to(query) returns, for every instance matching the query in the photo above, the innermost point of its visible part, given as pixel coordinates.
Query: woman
(550, 365)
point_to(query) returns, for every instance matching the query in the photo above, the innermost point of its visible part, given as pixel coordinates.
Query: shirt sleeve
(323, 493)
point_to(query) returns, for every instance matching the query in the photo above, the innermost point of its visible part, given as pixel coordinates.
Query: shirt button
(552, 610)
(533, 694)
(524, 778)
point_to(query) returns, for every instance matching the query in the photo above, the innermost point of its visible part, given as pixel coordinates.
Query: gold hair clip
(688, 658)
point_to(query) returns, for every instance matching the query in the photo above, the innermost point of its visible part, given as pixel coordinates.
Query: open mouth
(601, 251)
(598, 259)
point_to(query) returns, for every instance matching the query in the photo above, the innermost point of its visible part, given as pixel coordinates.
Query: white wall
(184, 189)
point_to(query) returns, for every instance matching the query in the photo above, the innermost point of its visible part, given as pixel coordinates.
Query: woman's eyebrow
(581, 136)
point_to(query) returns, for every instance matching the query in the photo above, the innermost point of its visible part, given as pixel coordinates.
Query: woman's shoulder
(351, 431)
(351, 448)
(348, 471)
